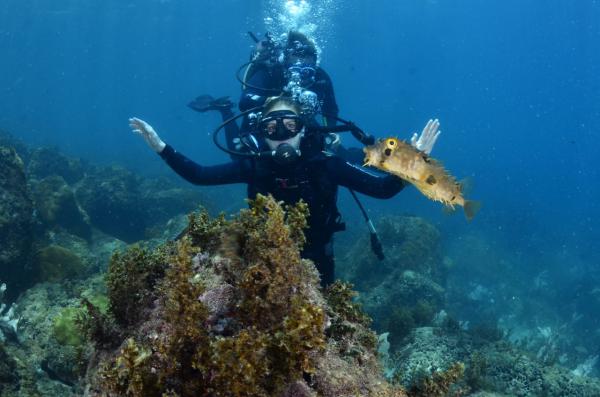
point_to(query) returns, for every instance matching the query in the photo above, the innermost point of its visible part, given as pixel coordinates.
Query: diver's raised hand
(139, 126)
(428, 136)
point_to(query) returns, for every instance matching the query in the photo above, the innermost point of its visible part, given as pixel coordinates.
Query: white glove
(428, 137)
(139, 126)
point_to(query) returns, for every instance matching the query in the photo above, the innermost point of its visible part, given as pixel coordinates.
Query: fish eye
(391, 142)
(453, 197)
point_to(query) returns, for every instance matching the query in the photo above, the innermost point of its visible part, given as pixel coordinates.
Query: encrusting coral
(235, 312)
(439, 383)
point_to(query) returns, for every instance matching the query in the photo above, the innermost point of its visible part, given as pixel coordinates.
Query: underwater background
(515, 84)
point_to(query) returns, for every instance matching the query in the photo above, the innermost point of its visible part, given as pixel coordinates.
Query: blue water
(516, 85)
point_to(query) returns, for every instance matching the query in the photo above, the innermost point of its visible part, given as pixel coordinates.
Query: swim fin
(204, 103)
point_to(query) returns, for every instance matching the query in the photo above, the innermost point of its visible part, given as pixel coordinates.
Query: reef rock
(22, 150)
(47, 365)
(404, 300)
(56, 206)
(8, 376)
(409, 243)
(45, 162)
(112, 199)
(428, 349)
(56, 263)
(231, 310)
(164, 201)
(491, 365)
(16, 210)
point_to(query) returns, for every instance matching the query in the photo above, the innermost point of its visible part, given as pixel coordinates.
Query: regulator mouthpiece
(285, 154)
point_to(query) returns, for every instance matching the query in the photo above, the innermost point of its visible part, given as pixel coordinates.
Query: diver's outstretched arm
(428, 136)
(222, 174)
(139, 126)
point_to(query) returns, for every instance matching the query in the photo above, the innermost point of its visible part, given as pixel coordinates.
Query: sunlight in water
(311, 17)
(296, 8)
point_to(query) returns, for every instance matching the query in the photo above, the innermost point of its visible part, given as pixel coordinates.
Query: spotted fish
(425, 173)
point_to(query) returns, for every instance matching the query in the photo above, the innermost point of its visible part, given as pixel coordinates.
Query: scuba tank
(267, 53)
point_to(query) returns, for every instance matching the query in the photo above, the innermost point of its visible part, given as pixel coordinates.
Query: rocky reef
(406, 289)
(112, 300)
(16, 219)
(231, 309)
(491, 365)
(49, 198)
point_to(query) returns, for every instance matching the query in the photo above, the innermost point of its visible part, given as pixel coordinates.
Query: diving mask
(280, 125)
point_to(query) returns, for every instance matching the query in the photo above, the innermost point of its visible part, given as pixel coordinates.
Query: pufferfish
(425, 173)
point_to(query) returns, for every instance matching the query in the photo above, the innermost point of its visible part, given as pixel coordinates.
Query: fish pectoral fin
(471, 208)
(448, 209)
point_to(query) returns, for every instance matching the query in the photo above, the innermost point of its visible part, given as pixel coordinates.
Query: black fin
(204, 103)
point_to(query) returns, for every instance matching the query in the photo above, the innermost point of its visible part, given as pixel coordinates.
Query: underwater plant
(56, 263)
(438, 384)
(231, 309)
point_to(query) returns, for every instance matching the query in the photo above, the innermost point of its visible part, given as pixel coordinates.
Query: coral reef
(163, 200)
(9, 321)
(430, 359)
(56, 263)
(8, 140)
(404, 300)
(232, 310)
(410, 243)
(131, 278)
(65, 328)
(15, 220)
(439, 383)
(8, 374)
(56, 206)
(428, 350)
(112, 199)
(406, 289)
(45, 162)
(52, 353)
(128, 207)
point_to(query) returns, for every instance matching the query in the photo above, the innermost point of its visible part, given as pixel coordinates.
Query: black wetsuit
(314, 178)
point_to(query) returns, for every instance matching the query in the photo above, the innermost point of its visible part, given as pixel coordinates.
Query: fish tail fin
(471, 208)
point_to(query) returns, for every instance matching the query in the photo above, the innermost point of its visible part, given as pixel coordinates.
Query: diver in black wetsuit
(299, 168)
(292, 71)
(296, 74)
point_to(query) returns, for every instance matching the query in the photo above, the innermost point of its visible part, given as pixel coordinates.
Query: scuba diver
(279, 69)
(295, 73)
(286, 158)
